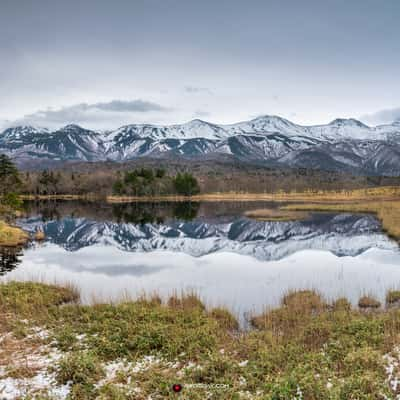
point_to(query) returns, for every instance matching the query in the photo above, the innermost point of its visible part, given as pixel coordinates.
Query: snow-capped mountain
(343, 235)
(68, 143)
(342, 145)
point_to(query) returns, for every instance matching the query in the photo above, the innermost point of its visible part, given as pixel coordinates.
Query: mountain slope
(342, 145)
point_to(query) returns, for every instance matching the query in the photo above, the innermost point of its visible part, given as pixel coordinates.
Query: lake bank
(11, 235)
(378, 193)
(322, 349)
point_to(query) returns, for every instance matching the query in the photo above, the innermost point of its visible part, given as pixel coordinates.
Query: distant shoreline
(375, 193)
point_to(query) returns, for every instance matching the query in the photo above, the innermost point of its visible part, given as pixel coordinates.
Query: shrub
(224, 318)
(341, 304)
(186, 184)
(393, 297)
(366, 302)
(82, 367)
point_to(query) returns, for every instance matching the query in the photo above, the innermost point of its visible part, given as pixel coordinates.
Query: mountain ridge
(341, 145)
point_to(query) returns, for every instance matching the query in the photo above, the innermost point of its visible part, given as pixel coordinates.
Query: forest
(155, 177)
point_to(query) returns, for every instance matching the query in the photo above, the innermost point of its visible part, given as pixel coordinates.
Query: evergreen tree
(186, 184)
(9, 176)
(10, 182)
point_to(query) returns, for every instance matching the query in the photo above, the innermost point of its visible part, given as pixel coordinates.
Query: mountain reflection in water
(110, 250)
(145, 228)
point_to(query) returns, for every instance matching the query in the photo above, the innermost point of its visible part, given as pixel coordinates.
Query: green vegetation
(186, 184)
(306, 348)
(10, 183)
(149, 182)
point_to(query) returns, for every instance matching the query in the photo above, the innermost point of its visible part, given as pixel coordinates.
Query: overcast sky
(103, 63)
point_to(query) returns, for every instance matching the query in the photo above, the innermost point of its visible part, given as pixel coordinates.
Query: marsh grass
(12, 236)
(309, 345)
(276, 215)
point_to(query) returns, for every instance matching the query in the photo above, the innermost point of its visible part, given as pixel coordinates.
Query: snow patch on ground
(392, 361)
(36, 360)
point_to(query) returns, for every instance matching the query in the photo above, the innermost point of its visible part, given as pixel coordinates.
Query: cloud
(385, 116)
(102, 114)
(196, 90)
(201, 114)
(128, 106)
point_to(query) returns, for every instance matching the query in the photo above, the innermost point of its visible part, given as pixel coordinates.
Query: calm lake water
(110, 251)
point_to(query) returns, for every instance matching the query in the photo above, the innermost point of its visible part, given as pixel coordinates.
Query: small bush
(304, 301)
(341, 304)
(393, 297)
(186, 301)
(80, 367)
(224, 318)
(366, 302)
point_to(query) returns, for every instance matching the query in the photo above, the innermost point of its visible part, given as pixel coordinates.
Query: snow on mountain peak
(337, 145)
(348, 122)
(21, 132)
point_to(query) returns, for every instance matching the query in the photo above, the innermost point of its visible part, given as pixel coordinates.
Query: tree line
(133, 182)
(156, 177)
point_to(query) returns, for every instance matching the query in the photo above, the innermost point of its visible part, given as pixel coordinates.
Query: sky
(103, 64)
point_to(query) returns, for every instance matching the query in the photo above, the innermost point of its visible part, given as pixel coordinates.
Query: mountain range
(343, 235)
(344, 145)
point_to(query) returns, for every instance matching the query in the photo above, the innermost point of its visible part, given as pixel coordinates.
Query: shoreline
(384, 193)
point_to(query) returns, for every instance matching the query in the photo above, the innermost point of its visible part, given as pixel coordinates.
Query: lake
(113, 251)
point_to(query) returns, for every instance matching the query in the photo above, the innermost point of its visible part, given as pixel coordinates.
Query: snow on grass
(25, 367)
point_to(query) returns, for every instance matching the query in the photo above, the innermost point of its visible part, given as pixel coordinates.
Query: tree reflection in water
(10, 258)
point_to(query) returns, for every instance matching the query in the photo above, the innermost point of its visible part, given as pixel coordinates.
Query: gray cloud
(388, 115)
(201, 114)
(325, 59)
(195, 90)
(127, 106)
(108, 113)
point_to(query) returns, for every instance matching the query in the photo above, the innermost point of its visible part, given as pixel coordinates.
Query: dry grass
(39, 235)
(377, 193)
(88, 196)
(12, 236)
(267, 214)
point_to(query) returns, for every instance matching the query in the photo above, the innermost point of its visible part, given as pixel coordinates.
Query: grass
(12, 236)
(267, 214)
(307, 347)
(381, 192)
